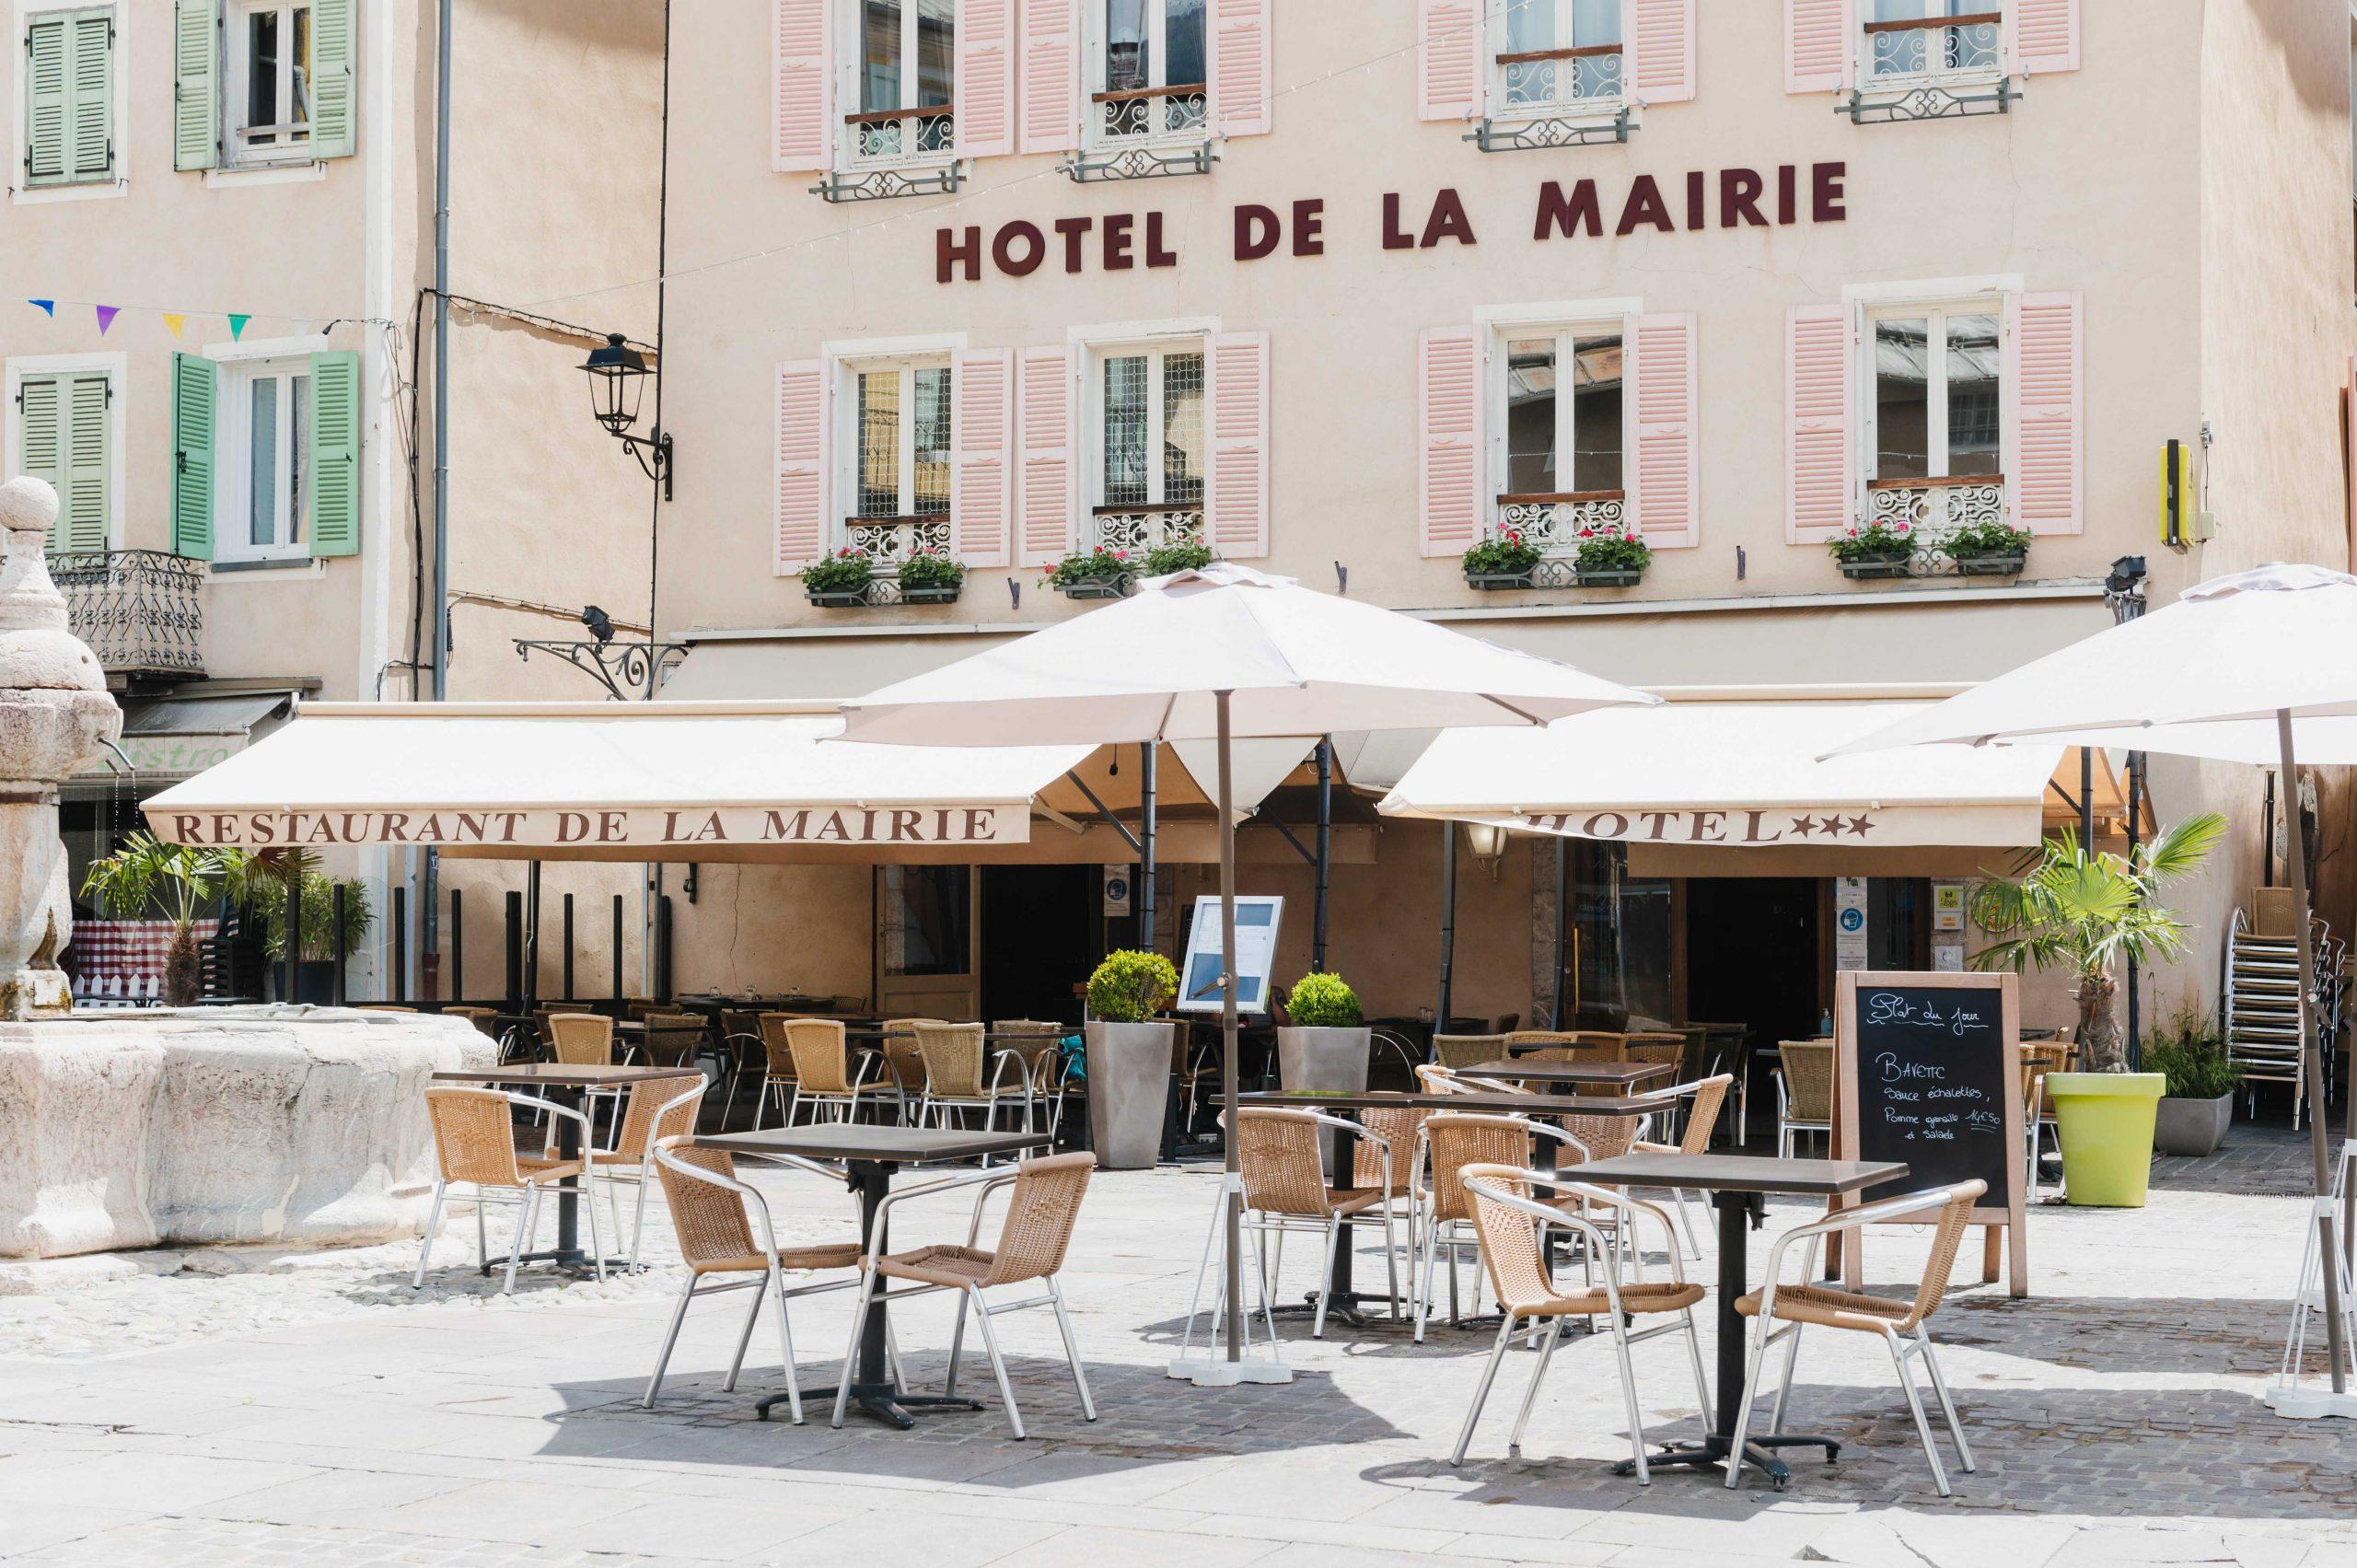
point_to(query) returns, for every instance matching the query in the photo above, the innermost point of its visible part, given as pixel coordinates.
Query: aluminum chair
(955, 1083)
(826, 1074)
(474, 1145)
(1513, 1225)
(1703, 1099)
(657, 1109)
(1448, 1144)
(778, 1077)
(1282, 1161)
(1803, 1092)
(1780, 1311)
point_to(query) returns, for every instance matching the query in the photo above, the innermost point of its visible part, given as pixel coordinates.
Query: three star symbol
(1832, 827)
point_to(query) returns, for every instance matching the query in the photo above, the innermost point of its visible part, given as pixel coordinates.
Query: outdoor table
(1737, 1184)
(1341, 1299)
(566, 1085)
(1619, 1074)
(872, 1154)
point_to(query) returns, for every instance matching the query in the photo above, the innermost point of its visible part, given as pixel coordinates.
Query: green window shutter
(196, 93)
(40, 433)
(332, 78)
(91, 127)
(81, 500)
(48, 44)
(335, 454)
(192, 382)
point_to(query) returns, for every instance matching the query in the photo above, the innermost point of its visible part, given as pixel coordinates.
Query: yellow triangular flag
(172, 323)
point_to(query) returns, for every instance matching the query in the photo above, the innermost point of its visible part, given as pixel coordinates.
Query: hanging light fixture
(618, 375)
(1486, 841)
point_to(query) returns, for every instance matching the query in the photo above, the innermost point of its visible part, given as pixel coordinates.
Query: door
(1039, 939)
(1752, 946)
(925, 920)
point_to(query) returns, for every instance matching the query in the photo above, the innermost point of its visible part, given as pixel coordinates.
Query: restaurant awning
(1732, 774)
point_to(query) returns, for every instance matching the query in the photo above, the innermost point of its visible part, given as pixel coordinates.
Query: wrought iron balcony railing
(1143, 527)
(1144, 134)
(896, 151)
(1932, 68)
(1557, 98)
(1938, 504)
(887, 542)
(1552, 525)
(138, 610)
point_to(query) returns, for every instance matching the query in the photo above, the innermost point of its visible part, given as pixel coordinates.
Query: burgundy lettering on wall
(1394, 237)
(1562, 214)
(1644, 205)
(1258, 229)
(1448, 220)
(1034, 249)
(1310, 226)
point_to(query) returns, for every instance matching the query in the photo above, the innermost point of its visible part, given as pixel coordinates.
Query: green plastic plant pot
(2105, 1122)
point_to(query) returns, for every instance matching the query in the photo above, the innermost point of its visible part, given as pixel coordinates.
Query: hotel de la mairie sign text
(1114, 242)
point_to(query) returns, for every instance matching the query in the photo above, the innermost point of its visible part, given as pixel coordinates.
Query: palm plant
(181, 879)
(2084, 911)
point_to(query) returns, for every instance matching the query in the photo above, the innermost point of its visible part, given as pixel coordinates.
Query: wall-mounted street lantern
(1487, 844)
(618, 375)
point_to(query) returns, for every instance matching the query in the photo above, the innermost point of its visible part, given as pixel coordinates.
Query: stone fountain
(133, 1129)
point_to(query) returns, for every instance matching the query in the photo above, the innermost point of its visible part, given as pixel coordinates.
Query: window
(1913, 41)
(69, 98)
(1150, 452)
(1559, 55)
(1562, 432)
(900, 488)
(1149, 72)
(265, 464)
(1935, 415)
(66, 435)
(907, 80)
(269, 82)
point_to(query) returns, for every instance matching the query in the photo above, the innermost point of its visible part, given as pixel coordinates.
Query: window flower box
(1495, 582)
(1878, 549)
(839, 598)
(1991, 565)
(1992, 549)
(1608, 578)
(1099, 588)
(1612, 557)
(1101, 572)
(1862, 568)
(1504, 560)
(934, 594)
(841, 580)
(931, 576)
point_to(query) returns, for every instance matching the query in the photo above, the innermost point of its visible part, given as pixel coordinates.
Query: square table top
(1625, 1074)
(1739, 1173)
(1479, 1105)
(562, 1076)
(867, 1141)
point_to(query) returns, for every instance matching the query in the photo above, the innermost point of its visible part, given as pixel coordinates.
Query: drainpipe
(429, 904)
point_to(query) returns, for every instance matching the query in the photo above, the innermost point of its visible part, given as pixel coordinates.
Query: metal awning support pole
(2087, 799)
(1447, 922)
(1562, 919)
(1146, 846)
(2135, 814)
(2312, 1069)
(1325, 851)
(531, 934)
(1102, 809)
(1231, 1280)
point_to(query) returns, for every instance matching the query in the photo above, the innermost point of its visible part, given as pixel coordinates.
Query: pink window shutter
(1243, 70)
(1236, 515)
(985, 77)
(2045, 379)
(801, 100)
(1450, 506)
(1449, 71)
(1816, 45)
(801, 517)
(2045, 34)
(1043, 425)
(2348, 452)
(1051, 95)
(1818, 354)
(1661, 32)
(981, 490)
(1668, 504)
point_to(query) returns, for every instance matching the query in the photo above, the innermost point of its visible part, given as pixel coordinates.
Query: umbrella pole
(2311, 1054)
(1233, 1280)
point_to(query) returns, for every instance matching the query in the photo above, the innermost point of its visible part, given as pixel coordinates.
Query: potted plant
(2200, 1099)
(1325, 1043)
(1611, 558)
(2082, 911)
(931, 576)
(1130, 1056)
(1993, 549)
(1101, 572)
(259, 888)
(1504, 560)
(1877, 549)
(179, 880)
(1180, 555)
(838, 579)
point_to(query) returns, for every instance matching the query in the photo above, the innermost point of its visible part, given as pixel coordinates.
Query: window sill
(1141, 160)
(292, 568)
(928, 177)
(75, 191)
(1956, 96)
(264, 174)
(1587, 126)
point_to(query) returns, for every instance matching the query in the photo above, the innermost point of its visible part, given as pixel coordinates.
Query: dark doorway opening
(1040, 926)
(1753, 956)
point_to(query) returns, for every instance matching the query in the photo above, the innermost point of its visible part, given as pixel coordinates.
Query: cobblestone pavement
(312, 1408)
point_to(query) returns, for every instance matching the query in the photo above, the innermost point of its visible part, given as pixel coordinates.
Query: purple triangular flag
(106, 314)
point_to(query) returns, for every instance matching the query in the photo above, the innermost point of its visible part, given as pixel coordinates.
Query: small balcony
(1139, 528)
(1936, 506)
(1932, 68)
(1552, 524)
(889, 543)
(1556, 97)
(1146, 133)
(896, 151)
(138, 610)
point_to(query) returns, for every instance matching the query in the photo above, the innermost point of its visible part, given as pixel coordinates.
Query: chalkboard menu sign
(1929, 1073)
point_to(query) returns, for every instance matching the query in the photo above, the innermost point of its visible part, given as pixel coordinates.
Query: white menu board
(1257, 918)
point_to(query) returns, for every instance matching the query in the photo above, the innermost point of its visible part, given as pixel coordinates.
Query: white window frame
(906, 367)
(235, 365)
(235, 72)
(914, 126)
(116, 367)
(1154, 351)
(1935, 314)
(1565, 328)
(1556, 106)
(1869, 81)
(27, 12)
(1096, 35)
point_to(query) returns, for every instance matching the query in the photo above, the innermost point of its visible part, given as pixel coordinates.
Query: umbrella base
(2294, 1402)
(1215, 1371)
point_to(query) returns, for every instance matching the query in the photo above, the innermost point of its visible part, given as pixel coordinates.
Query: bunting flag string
(107, 313)
(176, 321)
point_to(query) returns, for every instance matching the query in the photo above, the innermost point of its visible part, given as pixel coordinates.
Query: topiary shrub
(1130, 987)
(1324, 1002)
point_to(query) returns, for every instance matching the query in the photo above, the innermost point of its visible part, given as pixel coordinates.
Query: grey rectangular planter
(2191, 1126)
(1859, 570)
(1991, 565)
(1128, 1091)
(839, 598)
(933, 593)
(1326, 1058)
(1097, 587)
(1618, 577)
(1490, 582)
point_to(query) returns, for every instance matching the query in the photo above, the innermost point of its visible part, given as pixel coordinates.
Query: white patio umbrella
(1221, 653)
(2273, 649)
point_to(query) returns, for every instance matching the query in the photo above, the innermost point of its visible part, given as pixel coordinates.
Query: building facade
(217, 251)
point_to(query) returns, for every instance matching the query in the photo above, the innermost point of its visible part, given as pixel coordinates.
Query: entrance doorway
(1753, 956)
(1039, 939)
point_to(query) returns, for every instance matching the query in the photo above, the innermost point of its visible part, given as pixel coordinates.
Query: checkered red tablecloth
(125, 949)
